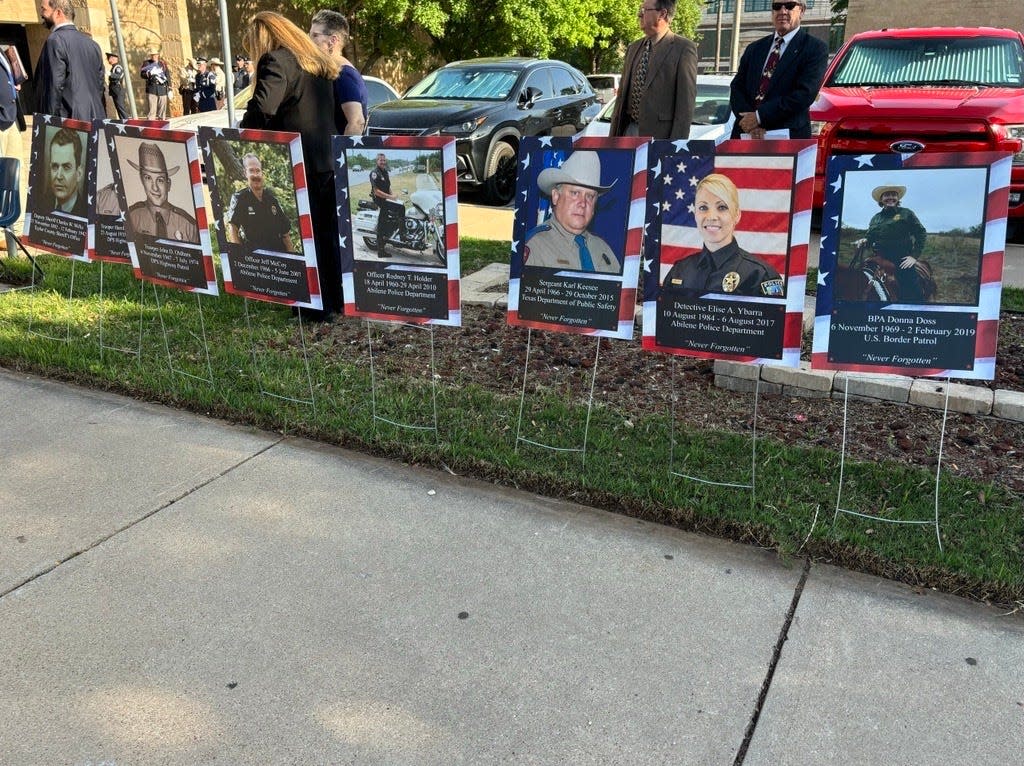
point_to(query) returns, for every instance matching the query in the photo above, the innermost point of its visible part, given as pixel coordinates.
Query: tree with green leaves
(592, 34)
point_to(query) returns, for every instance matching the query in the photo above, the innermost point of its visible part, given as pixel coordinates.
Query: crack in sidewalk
(133, 522)
(748, 736)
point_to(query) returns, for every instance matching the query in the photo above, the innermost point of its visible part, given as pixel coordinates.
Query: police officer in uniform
(241, 74)
(255, 218)
(721, 266)
(564, 240)
(392, 213)
(156, 217)
(115, 86)
(206, 87)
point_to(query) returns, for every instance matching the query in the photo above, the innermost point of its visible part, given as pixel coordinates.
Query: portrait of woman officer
(721, 266)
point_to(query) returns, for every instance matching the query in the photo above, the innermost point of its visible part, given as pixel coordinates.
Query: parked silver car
(712, 117)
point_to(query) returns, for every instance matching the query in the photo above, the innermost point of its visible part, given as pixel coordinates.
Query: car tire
(370, 242)
(500, 173)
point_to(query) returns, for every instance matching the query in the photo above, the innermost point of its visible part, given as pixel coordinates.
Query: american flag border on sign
(35, 176)
(190, 143)
(532, 153)
(96, 141)
(776, 182)
(990, 272)
(293, 143)
(449, 189)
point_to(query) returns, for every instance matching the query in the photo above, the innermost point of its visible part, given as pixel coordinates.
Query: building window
(749, 6)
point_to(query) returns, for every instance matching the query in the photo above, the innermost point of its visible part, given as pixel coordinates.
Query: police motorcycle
(414, 225)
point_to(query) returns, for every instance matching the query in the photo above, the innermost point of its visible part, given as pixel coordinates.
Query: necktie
(636, 88)
(161, 226)
(586, 262)
(769, 68)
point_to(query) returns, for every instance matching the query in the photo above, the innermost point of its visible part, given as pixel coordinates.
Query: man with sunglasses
(779, 76)
(659, 79)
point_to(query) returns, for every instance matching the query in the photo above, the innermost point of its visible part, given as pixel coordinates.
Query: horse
(874, 279)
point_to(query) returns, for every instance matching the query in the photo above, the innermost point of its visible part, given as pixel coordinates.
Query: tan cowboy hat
(582, 168)
(878, 191)
(153, 52)
(151, 160)
(216, 61)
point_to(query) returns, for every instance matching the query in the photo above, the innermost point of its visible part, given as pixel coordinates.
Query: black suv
(488, 105)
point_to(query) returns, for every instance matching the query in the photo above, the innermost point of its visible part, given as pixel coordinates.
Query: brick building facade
(863, 15)
(144, 23)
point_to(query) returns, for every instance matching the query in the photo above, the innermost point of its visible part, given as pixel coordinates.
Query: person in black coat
(115, 86)
(775, 95)
(70, 76)
(294, 92)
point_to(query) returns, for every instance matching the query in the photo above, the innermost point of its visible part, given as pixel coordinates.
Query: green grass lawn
(627, 464)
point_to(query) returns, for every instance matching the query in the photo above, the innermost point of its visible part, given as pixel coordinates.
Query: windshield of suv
(907, 61)
(459, 83)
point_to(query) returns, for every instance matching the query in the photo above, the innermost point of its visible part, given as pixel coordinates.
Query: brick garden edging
(489, 287)
(829, 384)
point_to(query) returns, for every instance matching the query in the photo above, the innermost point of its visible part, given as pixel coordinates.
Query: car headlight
(464, 127)
(1017, 131)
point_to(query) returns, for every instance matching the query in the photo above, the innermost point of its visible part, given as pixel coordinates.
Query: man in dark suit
(70, 74)
(778, 77)
(659, 79)
(10, 130)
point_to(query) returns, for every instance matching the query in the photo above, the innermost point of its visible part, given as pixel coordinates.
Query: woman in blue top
(329, 30)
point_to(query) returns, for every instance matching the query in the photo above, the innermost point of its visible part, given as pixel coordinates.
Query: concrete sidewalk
(176, 590)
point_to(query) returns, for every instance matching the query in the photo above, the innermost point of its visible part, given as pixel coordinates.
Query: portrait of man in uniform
(156, 216)
(564, 240)
(254, 217)
(65, 174)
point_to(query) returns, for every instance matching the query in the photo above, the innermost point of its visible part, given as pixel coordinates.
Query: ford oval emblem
(906, 147)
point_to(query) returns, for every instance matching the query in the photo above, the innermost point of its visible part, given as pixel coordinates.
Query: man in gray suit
(659, 79)
(70, 74)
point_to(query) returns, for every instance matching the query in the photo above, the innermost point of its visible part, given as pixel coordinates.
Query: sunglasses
(788, 6)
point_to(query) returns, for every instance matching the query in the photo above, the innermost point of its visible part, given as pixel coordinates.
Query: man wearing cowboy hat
(563, 241)
(158, 85)
(216, 66)
(896, 235)
(115, 85)
(157, 217)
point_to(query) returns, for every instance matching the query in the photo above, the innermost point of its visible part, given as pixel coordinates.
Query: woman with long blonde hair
(721, 266)
(294, 93)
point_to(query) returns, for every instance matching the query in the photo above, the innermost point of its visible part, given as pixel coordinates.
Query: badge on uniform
(730, 282)
(773, 288)
(273, 209)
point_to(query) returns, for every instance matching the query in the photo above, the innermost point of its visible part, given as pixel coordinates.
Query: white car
(712, 117)
(378, 91)
(606, 86)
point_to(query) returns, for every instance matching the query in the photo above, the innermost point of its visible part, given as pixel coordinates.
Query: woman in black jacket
(294, 92)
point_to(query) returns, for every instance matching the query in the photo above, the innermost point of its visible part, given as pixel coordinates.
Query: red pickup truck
(939, 89)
